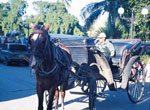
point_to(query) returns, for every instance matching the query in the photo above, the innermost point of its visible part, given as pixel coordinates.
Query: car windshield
(18, 47)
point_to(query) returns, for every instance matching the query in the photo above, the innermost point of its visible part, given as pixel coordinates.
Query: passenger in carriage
(107, 48)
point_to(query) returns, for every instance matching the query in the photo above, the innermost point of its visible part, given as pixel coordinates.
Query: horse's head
(39, 41)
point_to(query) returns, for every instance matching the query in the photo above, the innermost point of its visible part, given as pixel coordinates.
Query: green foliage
(12, 17)
(142, 28)
(119, 28)
(117, 32)
(63, 23)
(114, 27)
(57, 16)
(50, 13)
(4, 8)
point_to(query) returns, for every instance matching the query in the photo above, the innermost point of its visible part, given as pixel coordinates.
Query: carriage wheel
(84, 86)
(101, 85)
(46, 97)
(75, 68)
(135, 87)
(101, 82)
(92, 93)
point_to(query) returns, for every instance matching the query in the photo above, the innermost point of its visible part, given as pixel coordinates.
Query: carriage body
(78, 46)
(127, 56)
(81, 53)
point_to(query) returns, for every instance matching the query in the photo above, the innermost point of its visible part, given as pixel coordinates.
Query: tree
(142, 28)
(57, 15)
(92, 11)
(4, 8)
(13, 19)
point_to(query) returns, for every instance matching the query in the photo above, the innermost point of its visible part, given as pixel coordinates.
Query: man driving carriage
(108, 50)
(105, 46)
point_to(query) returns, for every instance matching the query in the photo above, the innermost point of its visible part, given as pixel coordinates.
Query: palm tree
(66, 2)
(91, 12)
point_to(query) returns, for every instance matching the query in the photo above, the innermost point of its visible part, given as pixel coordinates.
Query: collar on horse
(54, 68)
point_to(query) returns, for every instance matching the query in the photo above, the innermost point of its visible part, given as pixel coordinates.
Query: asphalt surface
(17, 92)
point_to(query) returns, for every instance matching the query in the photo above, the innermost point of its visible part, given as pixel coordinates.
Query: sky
(30, 9)
(77, 5)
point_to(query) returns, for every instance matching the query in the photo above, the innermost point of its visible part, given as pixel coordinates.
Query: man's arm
(112, 49)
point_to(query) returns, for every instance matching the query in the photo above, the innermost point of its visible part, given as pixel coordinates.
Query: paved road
(17, 92)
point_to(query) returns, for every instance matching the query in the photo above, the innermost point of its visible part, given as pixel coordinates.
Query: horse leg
(56, 98)
(62, 99)
(63, 93)
(63, 89)
(51, 98)
(40, 92)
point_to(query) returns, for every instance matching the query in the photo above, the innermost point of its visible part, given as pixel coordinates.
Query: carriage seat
(120, 48)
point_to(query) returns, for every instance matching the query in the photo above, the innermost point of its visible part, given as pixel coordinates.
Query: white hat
(102, 34)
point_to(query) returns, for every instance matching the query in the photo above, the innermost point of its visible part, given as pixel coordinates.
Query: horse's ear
(32, 26)
(46, 28)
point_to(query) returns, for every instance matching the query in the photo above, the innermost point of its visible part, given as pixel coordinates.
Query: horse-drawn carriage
(52, 66)
(88, 73)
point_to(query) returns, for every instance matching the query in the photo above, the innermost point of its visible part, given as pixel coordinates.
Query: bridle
(38, 66)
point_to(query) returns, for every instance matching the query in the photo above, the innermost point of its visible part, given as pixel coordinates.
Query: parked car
(11, 36)
(14, 52)
(146, 46)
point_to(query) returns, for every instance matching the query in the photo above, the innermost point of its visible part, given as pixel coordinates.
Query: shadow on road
(16, 82)
(115, 100)
(146, 95)
(11, 95)
(118, 100)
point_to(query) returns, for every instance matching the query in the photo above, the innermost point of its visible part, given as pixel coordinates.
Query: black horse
(51, 65)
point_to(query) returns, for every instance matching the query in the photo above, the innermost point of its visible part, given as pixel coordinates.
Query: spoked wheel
(92, 93)
(101, 82)
(75, 74)
(135, 87)
(46, 97)
(101, 85)
(84, 86)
